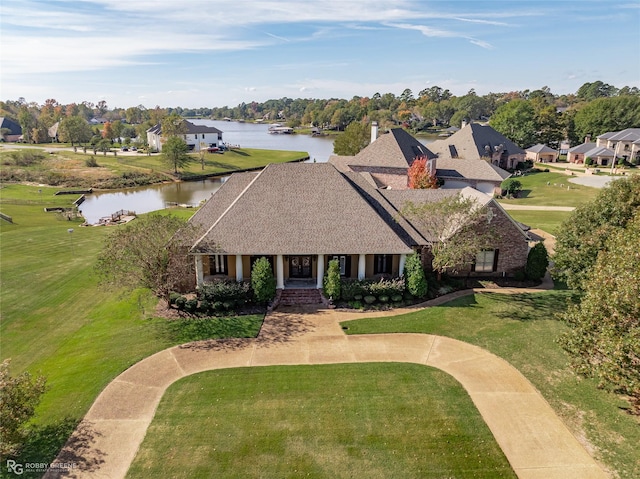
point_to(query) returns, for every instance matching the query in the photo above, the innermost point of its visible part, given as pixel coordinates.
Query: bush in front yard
(332, 284)
(263, 281)
(537, 262)
(224, 291)
(415, 278)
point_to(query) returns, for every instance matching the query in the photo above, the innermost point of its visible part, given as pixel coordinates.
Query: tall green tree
(74, 130)
(516, 120)
(604, 335)
(175, 153)
(607, 114)
(415, 280)
(355, 137)
(173, 125)
(587, 230)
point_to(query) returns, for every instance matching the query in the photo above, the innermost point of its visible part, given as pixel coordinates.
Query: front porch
(298, 271)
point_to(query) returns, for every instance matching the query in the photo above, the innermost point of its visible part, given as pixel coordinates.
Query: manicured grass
(376, 420)
(57, 321)
(548, 221)
(536, 192)
(523, 330)
(70, 168)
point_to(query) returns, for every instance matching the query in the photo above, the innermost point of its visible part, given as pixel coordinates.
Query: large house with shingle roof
(479, 142)
(386, 161)
(12, 130)
(196, 137)
(300, 216)
(625, 143)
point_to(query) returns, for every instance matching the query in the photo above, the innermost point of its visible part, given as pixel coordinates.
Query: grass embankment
(66, 168)
(551, 189)
(57, 321)
(523, 330)
(374, 420)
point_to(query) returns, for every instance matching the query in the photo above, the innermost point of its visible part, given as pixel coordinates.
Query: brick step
(291, 297)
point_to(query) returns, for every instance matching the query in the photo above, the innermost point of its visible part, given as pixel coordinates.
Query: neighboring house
(196, 137)
(600, 155)
(625, 144)
(300, 216)
(542, 153)
(479, 142)
(11, 131)
(387, 160)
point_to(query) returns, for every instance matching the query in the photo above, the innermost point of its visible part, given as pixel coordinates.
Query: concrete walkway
(535, 441)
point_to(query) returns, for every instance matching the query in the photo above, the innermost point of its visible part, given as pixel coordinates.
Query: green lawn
(523, 330)
(548, 221)
(536, 191)
(67, 167)
(57, 321)
(376, 420)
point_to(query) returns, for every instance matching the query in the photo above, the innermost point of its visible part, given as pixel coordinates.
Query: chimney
(431, 166)
(464, 123)
(374, 131)
(587, 139)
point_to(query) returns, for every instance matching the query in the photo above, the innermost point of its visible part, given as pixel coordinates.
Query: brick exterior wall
(396, 178)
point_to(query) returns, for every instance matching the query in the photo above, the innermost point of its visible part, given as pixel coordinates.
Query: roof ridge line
(230, 206)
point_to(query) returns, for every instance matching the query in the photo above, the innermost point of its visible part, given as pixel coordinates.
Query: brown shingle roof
(470, 169)
(471, 143)
(298, 209)
(396, 149)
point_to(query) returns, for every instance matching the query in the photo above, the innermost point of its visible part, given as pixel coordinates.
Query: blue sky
(222, 52)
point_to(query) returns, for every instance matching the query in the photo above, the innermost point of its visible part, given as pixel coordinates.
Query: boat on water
(280, 130)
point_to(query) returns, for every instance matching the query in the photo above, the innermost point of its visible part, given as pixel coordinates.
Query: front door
(300, 266)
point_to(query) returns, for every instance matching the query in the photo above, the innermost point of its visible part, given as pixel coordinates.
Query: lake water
(156, 197)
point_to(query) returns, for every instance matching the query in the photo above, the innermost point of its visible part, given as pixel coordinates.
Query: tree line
(526, 117)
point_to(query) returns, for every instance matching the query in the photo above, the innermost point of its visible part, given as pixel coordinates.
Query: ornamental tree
(420, 178)
(457, 227)
(263, 282)
(331, 285)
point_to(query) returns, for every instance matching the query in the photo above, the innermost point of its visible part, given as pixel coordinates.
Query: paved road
(535, 441)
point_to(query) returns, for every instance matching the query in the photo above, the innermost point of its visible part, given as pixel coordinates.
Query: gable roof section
(222, 199)
(396, 149)
(191, 129)
(297, 209)
(11, 125)
(629, 134)
(599, 151)
(470, 169)
(471, 141)
(540, 148)
(582, 148)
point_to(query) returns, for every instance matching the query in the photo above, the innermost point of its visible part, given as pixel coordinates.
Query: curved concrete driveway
(536, 443)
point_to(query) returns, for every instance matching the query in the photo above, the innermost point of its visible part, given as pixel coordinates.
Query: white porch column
(239, 276)
(403, 260)
(279, 272)
(320, 271)
(199, 270)
(362, 264)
